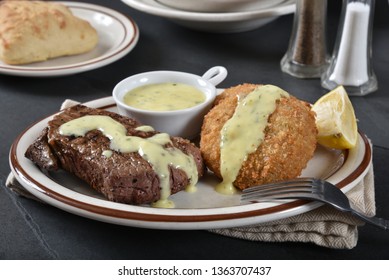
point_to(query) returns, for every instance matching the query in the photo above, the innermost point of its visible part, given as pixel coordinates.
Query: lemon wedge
(335, 120)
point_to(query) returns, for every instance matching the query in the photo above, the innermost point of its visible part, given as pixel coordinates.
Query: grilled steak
(121, 177)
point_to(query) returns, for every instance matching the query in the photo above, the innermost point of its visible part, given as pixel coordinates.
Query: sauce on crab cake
(256, 134)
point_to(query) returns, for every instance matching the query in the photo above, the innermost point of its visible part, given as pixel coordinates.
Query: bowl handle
(215, 75)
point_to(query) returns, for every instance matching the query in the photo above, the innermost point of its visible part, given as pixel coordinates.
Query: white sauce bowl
(186, 122)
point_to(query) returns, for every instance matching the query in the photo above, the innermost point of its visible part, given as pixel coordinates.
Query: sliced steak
(121, 177)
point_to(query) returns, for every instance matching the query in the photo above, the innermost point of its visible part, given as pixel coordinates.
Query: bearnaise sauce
(152, 149)
(242, 134)
(164, 97)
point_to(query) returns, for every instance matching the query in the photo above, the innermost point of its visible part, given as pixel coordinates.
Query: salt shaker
(350, 64)
(307, 55)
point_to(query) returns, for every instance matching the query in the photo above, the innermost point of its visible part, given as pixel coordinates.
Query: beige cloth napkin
(323, 226)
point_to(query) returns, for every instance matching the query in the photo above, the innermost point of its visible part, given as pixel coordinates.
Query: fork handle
(379, 222)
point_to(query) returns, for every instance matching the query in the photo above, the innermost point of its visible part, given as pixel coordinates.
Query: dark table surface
(31, 230)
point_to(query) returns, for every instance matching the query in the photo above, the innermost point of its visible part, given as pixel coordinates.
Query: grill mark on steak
(122, 177)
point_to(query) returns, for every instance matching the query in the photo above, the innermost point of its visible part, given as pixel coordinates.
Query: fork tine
(278, 190)
(297, 188)
(296, 182)
(270, 197)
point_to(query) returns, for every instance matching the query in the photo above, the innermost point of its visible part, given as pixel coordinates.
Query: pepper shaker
(307, 55)
(351, 60)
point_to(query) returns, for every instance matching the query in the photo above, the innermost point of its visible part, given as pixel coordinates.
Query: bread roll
(32, 31)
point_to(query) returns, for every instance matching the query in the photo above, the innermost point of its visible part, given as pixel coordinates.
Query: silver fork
(310, 189)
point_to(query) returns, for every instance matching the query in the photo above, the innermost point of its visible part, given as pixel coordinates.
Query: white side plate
(117, 33)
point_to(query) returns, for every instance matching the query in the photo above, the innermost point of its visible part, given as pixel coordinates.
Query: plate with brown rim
(204, 209)
(118, 35)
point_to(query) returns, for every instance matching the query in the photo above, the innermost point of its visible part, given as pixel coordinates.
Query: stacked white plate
(221, 21)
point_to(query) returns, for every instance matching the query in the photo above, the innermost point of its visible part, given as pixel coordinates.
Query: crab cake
(272, 141)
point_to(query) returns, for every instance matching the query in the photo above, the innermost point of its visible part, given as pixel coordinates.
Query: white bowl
(215, 22)
(213, 6)
(185, 122)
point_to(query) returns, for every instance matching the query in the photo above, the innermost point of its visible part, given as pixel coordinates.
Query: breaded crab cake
(287, 143)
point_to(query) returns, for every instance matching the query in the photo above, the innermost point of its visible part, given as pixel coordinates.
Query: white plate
(215, 22)
(204, 209)
(117, 33)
